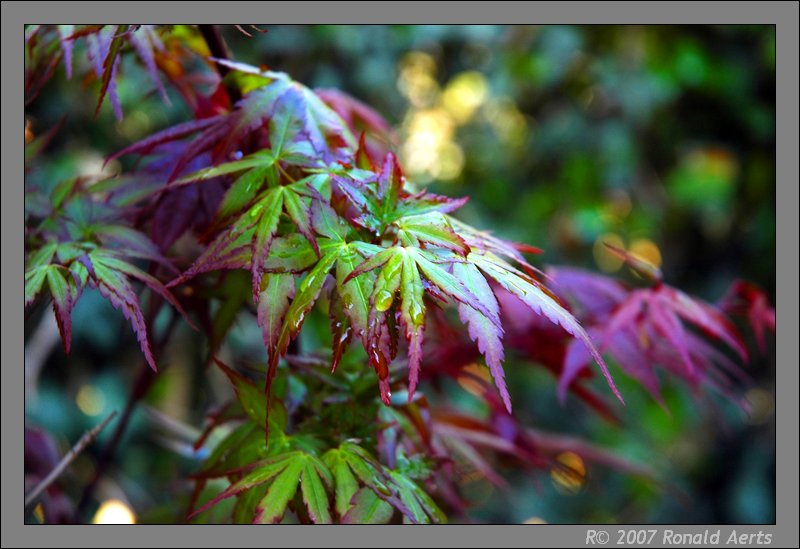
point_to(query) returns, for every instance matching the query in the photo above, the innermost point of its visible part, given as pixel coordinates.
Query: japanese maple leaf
(748, 300)
(402, 268)
(644, 327)
(374, 201)
(301, 128)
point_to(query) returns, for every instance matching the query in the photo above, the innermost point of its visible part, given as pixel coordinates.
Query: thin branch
(219, 49)
(68, 458)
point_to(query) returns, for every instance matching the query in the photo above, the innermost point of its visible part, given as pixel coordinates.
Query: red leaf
(746, 299)
(273, 303)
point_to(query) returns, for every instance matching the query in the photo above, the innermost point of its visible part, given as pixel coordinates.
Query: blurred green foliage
(658, 138)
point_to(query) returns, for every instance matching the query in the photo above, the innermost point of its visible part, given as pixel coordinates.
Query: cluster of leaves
(299, 190)
(163, 51)
(317, 477)
(641, 328)
(310, 202)
(82, 242)
(404, 467)
(47, 45)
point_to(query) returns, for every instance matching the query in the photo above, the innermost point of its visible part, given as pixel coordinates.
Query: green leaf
(315, 495)
(262, 472)
(412, 310)
(431, 229)
(388, 282)
(368, 508)
(345, 483)
(241, 193)
(246, 504)
(62, 303)
(220, 460)
(411, 292)
(423, 509)
(356, 293)
(261, 159)
(307, 295)
(268, 210)
(447, 283)
(62, 190)
(292, 254)
(69, 251)
(273, 303)
(272, 508)
(34, 279)
(284, 128)
(248, 394)
(42, 256)
(300, 214)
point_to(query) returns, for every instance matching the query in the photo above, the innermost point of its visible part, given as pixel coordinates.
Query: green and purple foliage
(268, 179)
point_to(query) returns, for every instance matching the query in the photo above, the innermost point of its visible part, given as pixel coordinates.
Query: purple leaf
(171, 134)
(119, 292)
(144, 40)
(539, 301)
(64, 34)
(481, 330)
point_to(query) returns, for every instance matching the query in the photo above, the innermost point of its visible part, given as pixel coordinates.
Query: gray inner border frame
(784, 15)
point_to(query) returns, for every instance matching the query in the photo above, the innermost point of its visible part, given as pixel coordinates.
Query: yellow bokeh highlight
(429, 151)
(570, 472)
(90, 400)
(646, 250)
(417, 62)
(464, 94)
(114, 511)
(38, 513)
(607, 260)
(534, 520)
(416, 80)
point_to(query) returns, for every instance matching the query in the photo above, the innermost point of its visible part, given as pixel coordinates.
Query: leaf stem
(68, 458)
(285, 173)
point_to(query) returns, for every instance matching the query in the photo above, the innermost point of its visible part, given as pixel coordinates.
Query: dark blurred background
(657, 138)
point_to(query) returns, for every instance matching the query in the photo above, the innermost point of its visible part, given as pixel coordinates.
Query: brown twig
(219, 49)
(68, 458)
